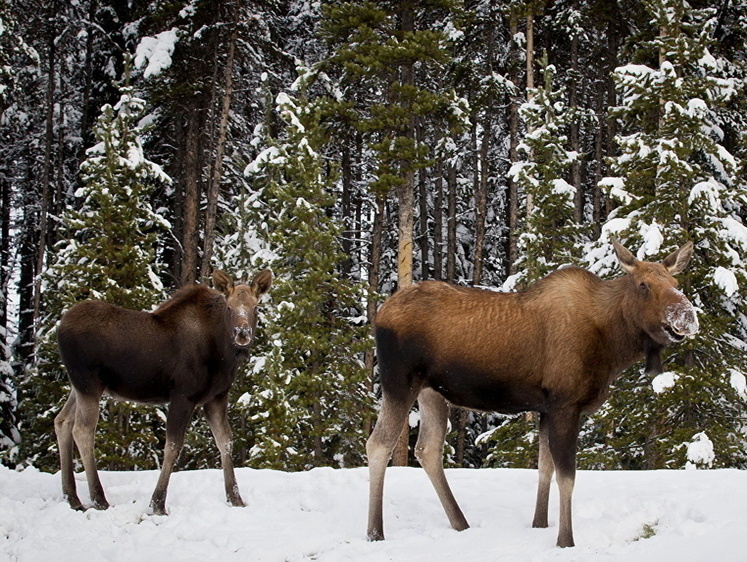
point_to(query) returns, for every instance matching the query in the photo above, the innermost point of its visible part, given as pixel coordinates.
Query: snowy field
(321, 515)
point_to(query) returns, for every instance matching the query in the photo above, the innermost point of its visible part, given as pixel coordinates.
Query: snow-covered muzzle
(680, 319)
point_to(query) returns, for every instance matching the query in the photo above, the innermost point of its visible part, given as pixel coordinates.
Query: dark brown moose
(553, 348)
(185, 353)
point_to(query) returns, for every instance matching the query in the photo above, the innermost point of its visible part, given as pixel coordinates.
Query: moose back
(185, 353)
(553, 348)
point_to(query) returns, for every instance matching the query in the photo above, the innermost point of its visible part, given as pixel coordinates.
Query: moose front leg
(546, 469)
(563, 438)
(216, 413)
(180, 412)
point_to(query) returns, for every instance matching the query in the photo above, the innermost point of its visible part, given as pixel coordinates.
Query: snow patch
(738, 382)
(157, 51)
(726, 281)
(652, 240)
(700, 452)
(664, 381)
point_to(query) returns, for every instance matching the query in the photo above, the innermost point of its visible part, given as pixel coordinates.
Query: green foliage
(372, 54)
(307, 394)
(550, 234)
(108, 252)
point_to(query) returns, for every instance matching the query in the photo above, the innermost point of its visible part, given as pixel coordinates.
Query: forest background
(356, 147)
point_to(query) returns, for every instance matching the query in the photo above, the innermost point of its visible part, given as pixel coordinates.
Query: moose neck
(625, 338)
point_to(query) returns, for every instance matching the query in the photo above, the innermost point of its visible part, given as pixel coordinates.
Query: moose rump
(553, 348)
(185, 354)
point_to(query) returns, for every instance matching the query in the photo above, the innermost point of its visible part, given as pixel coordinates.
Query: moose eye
(643, 287)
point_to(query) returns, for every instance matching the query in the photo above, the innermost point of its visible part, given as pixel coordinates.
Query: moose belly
(508, 393)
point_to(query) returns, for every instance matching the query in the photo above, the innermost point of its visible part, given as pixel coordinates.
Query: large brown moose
(185, 353)
(553, 348)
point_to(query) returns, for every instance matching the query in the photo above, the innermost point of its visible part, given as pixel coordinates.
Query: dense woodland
(354, 148)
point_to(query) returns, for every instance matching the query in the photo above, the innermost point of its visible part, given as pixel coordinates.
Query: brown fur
(553, 348)
(184, 354)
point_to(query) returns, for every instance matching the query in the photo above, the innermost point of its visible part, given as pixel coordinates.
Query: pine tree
(550, 235)
(308, 395)
(675, 181)
(108, 252)
(9, 436)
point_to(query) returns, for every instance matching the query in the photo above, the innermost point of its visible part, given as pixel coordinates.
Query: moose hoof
(375, 536)
(100, 505)
(237, 502)
(565, 543)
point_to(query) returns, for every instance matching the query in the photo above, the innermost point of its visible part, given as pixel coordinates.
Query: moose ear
(261, 282)
(677, 261)
(627, 262)
(222, 281)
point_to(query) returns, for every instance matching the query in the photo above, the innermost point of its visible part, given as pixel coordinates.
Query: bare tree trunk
(513, 134)
(215, 180)
(451, 225)
(374, 270)
(530, 86)
(406, 197)
(578, 199)
(46, 180)
(599, 157)
(191, 201)
(423, 204)
(347, 211)
(482, 168)
(4, 250)
(438, 224)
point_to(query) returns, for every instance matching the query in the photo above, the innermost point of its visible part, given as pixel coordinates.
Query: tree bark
(451, 224)
(438, 224)
(406, 197)
(191, 200)
(578, 199)
(530, 86)
(513, 134)
(374, 269)
(213, 192)
(46, 179)
(423, 204)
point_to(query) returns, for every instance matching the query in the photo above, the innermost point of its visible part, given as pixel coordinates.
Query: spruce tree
(307, 394)
(675, 181)
(108, 251)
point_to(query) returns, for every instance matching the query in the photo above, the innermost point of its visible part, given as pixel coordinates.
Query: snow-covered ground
(321, 515)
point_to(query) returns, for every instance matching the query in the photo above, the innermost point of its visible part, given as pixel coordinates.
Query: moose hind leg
(434, 412)
(216, 413)
(177, 420)
(63, 427)
(84, 430)
(379, 446)
(546, 470)
(563, 437)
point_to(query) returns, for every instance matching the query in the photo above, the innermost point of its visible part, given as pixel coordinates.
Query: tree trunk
(214, 184)
(191, 200)
(406, 197)
(451, 225)
(530, 86)
(438, 224)
(374, 270)
(578, 199)
(347, 211)
(513, 134)
(4, 252)
(46, 180)
(423, 204)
